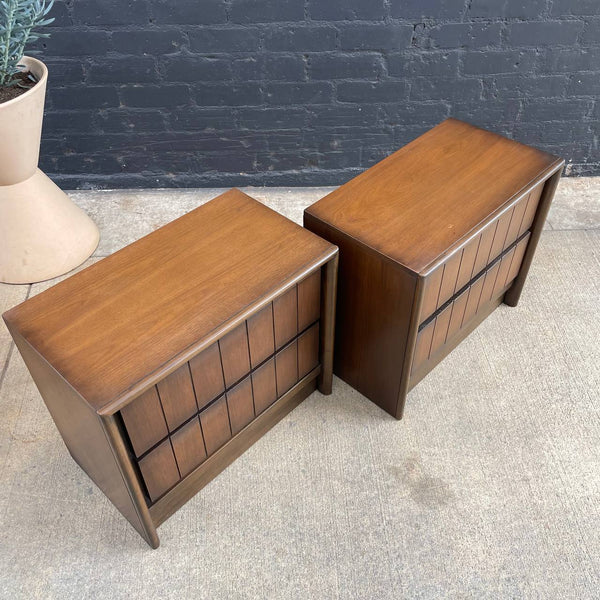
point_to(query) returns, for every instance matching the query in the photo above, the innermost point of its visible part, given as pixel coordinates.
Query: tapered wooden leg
(328, 300)
(511, 298)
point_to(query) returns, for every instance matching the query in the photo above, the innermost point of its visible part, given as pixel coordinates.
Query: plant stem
(9, 27)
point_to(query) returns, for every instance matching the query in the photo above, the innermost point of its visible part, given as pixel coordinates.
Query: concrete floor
(489, 488)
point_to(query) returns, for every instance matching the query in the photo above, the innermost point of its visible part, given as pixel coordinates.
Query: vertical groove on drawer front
(468, 262)
(485, 246)
(502, 228)
(264, 386)
(235, 356)
(177, 397)
(241, 405)
(207, 375)
(285, 317)
(473, 300)
(309, 300)
(449, 278)
(431, 292)
(503, 272)
(488, 285)
(144, 421)
(440, 330)
(517, 220)
(188, 446)
(517, 259)
(261, 340)
(458, 312)
(423, 345)
(532, 204)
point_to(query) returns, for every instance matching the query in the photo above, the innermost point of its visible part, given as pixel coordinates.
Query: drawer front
(469, 261)
(176, 425)
(443, 328)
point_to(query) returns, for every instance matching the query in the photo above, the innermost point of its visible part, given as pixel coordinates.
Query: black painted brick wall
(307, 92)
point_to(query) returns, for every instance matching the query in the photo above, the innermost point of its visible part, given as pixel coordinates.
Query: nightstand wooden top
(117, 326)
(418, 203)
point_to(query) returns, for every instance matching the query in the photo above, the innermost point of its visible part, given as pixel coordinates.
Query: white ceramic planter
(42, 233)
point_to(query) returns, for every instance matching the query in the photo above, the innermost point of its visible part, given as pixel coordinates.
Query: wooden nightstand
(164, 362)
(431, 239)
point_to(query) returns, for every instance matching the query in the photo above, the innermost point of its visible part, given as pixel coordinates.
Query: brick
(243, 94)
(230, 39)
(498, 61)
(344, 66)
(188, 12)
(269, 67)
(301, 38)
(366, 92)
(87, 163)
(571, 60)
(575, 7)
(319, 92)
(84, 96)
(442, 64)
(584, 84)
(196, 68)
(488, 114)
(544, 33)
(200, 119)
(466, 35)
(346, 10)
(122, 121)
(68, 120)
(123, 70)
(110, 12)
(556, 110)
(526, 86)
(375, 37)
(271, 118)
(343, 116)
(445, 88)
(419, 9)
(157, 42)
(61, 14)
(540, 134)
(64, 72)
(159, 96)
(266, 11)
(591, 33)
(422, 113)
(514, 9)
(75, 43)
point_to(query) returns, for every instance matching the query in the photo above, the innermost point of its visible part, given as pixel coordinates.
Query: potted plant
(42, 233)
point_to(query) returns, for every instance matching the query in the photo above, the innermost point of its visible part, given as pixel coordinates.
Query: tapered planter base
(42, 233)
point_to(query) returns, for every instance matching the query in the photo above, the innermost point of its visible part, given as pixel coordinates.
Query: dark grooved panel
(241, 406)
(177, 397)
(286, 366)
(473, 300)
(309, 300)
(503, 272)
(264, 386)
(215, 425)
(517, 259)
(308, 351)
(159, 470)
(485, 245)
(532, 205)
(234, 354)
(207, 375)
(260, 335)
(285, 316)
(489, 284)
(144, 420)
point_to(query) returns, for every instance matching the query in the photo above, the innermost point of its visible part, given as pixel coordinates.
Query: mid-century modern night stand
(164, 362)
(432, 239)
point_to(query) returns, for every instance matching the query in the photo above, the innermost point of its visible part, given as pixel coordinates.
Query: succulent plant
(19, 22)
